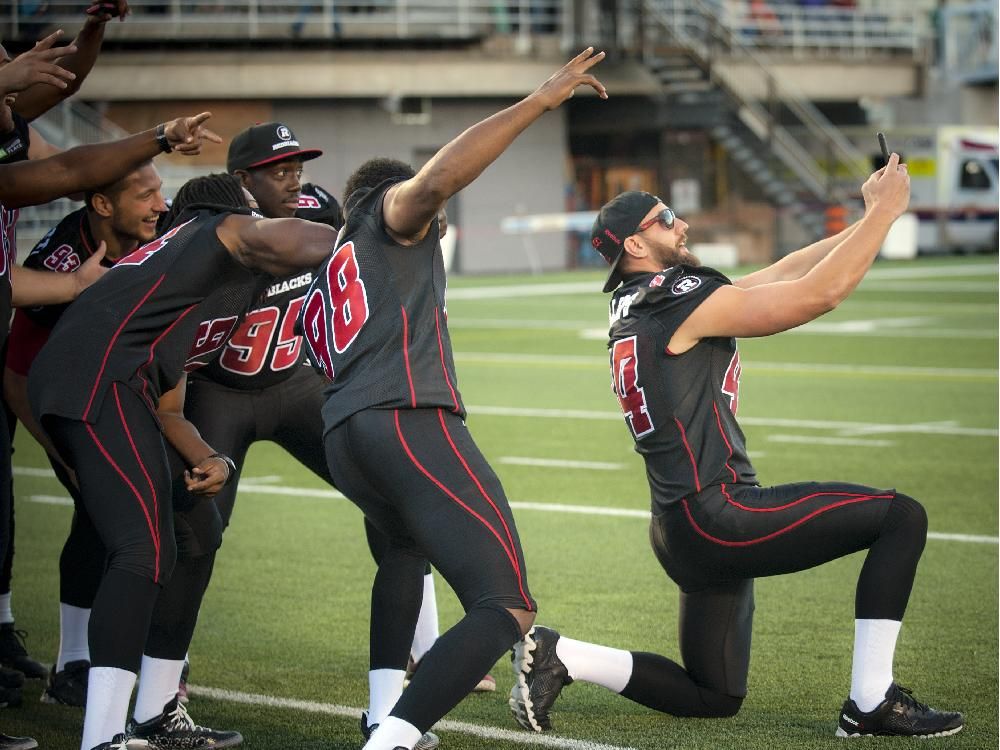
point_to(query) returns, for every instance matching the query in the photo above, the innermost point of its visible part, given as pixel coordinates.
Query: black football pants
(715, 543)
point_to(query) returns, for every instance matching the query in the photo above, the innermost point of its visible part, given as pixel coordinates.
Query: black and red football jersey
(680, 408)
(13, 148)
(375, 322)
(265, 350)
(63, 249)
(166, 308)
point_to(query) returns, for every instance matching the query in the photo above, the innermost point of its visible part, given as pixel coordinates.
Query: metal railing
(969, 42)
(759, 98)
(293, 19)
(887, 27)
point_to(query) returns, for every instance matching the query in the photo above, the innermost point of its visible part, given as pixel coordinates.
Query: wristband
(230, 464)
(161, 138)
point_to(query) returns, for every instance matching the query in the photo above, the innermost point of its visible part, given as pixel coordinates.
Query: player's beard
(670, 255)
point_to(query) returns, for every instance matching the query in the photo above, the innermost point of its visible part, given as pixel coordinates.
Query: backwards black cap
(617, 220)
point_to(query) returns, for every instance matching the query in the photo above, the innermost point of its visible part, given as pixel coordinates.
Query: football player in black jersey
(166, 308)
(376, 327)
(675, 369)
(25, 182)
(120, 217)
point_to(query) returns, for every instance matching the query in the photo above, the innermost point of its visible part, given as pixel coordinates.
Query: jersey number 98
(348, 306)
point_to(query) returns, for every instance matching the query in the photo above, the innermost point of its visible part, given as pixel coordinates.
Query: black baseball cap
(617, 220)
(265, 143)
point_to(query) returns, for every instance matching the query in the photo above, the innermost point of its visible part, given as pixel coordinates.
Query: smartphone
(884, 147)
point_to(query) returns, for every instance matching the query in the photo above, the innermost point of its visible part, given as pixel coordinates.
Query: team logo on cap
(284, 133)
(685, 284)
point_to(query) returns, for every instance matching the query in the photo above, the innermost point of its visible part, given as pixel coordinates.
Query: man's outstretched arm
(29, 183)
(78, 59)
(411, 206)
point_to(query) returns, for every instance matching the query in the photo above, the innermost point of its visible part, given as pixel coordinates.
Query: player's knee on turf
(720, 705)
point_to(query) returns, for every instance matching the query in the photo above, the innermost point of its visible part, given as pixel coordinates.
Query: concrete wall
(530, 177)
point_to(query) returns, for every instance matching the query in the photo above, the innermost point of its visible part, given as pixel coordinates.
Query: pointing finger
(48, 41)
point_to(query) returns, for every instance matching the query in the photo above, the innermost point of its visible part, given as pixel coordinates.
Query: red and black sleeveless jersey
(265, 350)
(63, 250)
(680, 408)
(375, 322)
(13, 148)
(166, 308)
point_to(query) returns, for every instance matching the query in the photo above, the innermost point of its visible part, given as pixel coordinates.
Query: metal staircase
(795, 155)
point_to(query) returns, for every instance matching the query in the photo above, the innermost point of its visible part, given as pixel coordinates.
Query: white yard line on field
(51, 499)
(749, 366)
(248, 488)
(876, 274)
(818, 440)
(349, 712)
(556, 463)
(845, 428)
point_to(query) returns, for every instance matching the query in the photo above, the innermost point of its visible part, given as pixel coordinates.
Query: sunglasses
(665, 217)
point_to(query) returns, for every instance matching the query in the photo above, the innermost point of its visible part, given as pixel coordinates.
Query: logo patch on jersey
(63, 259)
(685, 284)
(309, 201)
(657, 280)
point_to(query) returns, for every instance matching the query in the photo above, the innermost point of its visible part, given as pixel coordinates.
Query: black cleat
(541, 676)
(11, 678)
(118, 742)
(68, 687)
(899, 715)
(16, 743)
(10, 697)
(14, 655)
(175, 730)
(428, 741)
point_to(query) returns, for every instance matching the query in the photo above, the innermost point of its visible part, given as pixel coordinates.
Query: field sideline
(898, 387)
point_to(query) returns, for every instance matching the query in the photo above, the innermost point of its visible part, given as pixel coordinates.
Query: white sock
(427, 622)
(157, 686)
(608, 667)
(6, 615)
(393, 733)
(384, 688)
(109, 690)
(73, 635)
(871, 672)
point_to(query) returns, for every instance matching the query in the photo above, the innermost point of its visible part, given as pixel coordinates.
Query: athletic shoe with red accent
(486, 685)
(899, 715)
(428, 741)
(541, 676)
